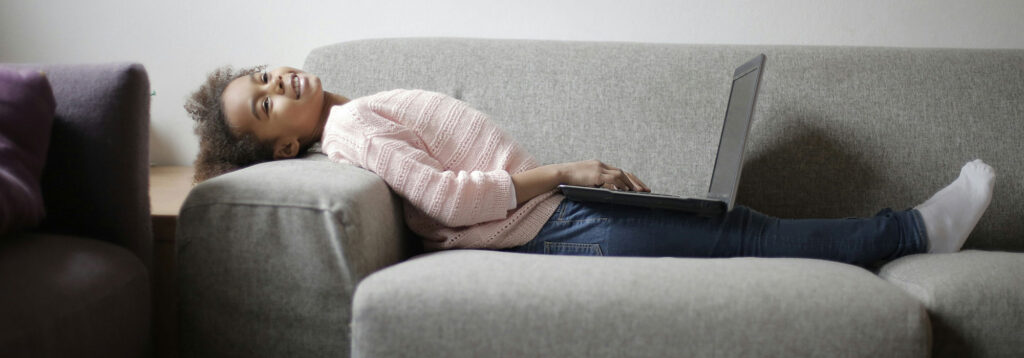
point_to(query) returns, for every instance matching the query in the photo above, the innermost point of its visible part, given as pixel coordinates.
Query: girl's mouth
(297, 86)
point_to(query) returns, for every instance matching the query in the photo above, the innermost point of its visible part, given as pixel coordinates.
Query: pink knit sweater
(448, 161)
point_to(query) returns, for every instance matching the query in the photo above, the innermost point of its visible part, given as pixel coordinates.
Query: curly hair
(221, 150)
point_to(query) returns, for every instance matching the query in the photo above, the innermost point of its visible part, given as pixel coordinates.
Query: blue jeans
(578, 228)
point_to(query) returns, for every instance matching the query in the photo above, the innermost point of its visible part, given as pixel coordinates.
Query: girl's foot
(950, 215)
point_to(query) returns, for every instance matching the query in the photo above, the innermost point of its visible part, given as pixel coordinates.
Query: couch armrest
(96, 179)
(282, 244)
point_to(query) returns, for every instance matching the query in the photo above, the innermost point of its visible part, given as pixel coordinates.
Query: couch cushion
(469, 303)
(63, 296)
(974, 298)
(26, 115)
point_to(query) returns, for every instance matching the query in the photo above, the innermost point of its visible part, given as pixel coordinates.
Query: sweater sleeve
(452, 197)
(512, 203)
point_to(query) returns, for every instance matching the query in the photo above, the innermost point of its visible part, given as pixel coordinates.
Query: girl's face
(281, 105)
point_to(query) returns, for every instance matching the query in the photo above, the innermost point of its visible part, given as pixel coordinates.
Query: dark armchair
(79, 284)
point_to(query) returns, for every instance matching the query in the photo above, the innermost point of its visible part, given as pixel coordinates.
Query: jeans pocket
(572, 249)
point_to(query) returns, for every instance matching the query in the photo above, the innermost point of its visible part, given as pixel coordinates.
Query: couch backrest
(839, 131)
(96, 179)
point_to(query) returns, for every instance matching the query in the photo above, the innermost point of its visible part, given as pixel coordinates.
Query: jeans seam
(576, 245)
(561, 209)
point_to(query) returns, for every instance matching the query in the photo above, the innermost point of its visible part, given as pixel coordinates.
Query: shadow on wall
(795, 169)
(812, 167)
(161, 148)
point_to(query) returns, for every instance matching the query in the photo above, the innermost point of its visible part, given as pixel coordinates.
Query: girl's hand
(593, 173)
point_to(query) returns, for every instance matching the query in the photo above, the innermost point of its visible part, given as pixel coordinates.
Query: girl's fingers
(622, 180)
(616, 184)
(638, 183)
(633, 182)
(622, 184)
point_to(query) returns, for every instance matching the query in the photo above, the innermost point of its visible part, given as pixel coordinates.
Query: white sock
(950, 215)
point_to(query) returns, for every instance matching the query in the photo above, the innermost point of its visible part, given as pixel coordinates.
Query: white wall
(180, 41)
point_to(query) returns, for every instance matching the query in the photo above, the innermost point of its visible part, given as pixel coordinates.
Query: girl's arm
(535, 181)
(593, 173)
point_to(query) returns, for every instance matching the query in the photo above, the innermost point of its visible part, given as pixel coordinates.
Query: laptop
(725, 178)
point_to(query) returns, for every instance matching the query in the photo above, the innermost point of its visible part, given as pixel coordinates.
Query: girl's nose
(277, 83)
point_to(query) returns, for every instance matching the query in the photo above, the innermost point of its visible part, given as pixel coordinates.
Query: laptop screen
(726, 175)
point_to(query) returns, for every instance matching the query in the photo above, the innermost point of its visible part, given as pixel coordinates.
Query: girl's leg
(615, 230)
(859, 241)
(940, 224)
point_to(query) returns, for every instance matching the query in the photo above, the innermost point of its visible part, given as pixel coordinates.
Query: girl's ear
(286, 148)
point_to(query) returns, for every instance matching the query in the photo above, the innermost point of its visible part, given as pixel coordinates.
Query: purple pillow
(26, 115)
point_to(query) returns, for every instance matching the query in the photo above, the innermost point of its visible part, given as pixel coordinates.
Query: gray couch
(307, 258)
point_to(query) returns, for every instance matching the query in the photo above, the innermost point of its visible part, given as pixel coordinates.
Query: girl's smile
(284, 106)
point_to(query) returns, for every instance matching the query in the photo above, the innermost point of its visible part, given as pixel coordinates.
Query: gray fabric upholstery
(839, 131)
(975, 300)
(470, 303)
(269, 257)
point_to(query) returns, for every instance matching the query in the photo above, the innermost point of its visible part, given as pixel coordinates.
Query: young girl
(466, 184)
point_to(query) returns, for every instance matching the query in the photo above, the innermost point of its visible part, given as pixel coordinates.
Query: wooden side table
(168, 187)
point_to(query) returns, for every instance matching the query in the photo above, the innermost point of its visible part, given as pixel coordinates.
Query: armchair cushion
(66, 296)
(26, 115)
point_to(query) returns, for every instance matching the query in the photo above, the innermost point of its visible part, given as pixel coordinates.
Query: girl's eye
(264, 77)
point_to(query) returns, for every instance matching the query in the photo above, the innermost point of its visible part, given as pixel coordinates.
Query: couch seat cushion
(472, 303)
(63, 296)
(975, 299)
